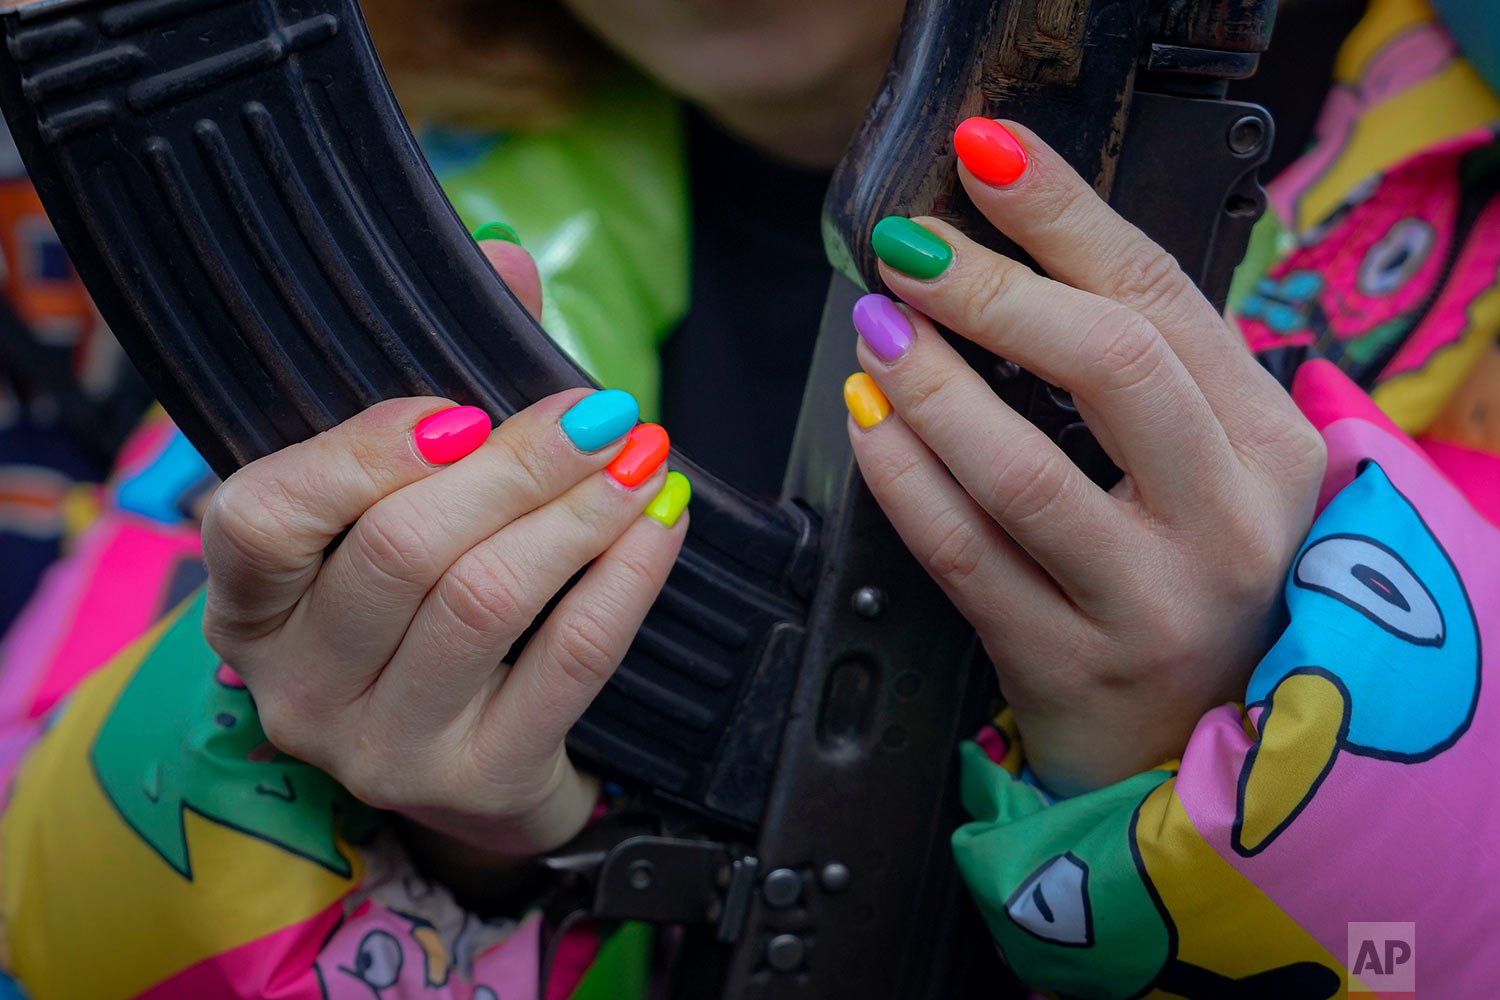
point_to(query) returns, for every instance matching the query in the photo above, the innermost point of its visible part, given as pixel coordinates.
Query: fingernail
(990, 151)
(497, 231)
(883, 326)
(866, 402)
(448, 435)
(645, 449)
(601, 419)
(671, 501)
(910, 248)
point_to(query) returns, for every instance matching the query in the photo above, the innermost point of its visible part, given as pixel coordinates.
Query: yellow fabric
(1453, 102)
(1416, 399)
(139, 919)
(1214, 906)
(1300, 735)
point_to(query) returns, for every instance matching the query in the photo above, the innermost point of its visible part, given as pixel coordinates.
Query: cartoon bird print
(1108, 896)
(1382, 659)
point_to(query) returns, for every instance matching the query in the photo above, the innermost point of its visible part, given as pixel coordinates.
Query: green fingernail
(910, 248)
(672, 500)
(497, 231)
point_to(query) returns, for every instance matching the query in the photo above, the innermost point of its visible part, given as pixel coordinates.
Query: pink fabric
(1381, 835)
(278, 966)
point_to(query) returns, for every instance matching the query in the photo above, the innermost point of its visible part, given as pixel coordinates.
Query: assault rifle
(238, 189)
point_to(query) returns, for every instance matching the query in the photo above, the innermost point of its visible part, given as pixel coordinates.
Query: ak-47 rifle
(238, 189)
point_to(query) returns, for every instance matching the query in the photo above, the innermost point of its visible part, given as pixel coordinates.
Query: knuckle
(957, 551)
(1125, 350)
(584, 649)
(893, 474)
(391, 541)
(639, 569)
(1150, 279)
(1029, 486)
(484, 594)
(525, 458)
(929, 390)
(1304, 451)
(986, 299)
(1058, 204)
(286, 728)
(367, 777)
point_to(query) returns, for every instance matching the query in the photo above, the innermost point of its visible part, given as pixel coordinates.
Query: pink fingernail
(448, 435)
(883, 326)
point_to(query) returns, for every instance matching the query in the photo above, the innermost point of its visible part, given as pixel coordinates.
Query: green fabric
(601, 203)
(1270, 242)
(182, 737)
(622, 971)
(1016, 837)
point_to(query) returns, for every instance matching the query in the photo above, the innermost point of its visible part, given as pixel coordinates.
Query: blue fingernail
(600, 419)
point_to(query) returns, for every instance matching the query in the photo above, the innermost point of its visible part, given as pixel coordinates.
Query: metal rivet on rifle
(835, 877)
(869, 602)
(782, 888)
(1062, 398)
(640, 875)
(784, 952)
(1246, 135)
(909, 684)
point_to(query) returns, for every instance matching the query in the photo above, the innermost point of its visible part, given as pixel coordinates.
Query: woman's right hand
(380, 659)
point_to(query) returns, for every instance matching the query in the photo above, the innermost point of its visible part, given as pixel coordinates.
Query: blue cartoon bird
(1382, 659)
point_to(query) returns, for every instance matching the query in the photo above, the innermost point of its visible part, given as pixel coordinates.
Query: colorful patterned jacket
(152, 843)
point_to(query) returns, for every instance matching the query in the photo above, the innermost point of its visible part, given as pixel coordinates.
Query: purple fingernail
(883, 326)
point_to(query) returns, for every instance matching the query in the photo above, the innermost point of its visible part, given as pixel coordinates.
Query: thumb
(517, 270)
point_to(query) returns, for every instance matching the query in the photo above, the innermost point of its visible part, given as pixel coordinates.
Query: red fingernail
(448, 435)
(645, 449)
(990, 151)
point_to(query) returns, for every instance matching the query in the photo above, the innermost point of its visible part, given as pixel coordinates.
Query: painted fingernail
(866, 402)
(883, 326)
(645, 449)
(497, 231)
(671, 501)
(448, 435)
(910, 248)
(601, 419)
(990, 151)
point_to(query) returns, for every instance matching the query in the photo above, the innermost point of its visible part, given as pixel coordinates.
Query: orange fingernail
(990, 151)
(867, 404)
(645, 449)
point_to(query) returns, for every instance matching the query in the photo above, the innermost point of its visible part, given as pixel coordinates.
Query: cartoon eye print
(1053, 904)
(377, 964)
(1373, 580)
(1398, 256)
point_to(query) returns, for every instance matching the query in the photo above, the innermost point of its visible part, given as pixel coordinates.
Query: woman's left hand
(1114, 620)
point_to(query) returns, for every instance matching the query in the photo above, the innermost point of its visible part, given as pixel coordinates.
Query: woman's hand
(1114, 620)
(380, 659)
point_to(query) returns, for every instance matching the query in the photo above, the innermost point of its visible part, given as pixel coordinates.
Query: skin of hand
(1113, 619)
(379, 659)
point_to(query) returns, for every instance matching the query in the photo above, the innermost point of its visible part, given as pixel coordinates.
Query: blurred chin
(710, 50)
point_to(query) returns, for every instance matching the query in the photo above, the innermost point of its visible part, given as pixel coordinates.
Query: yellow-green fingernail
(866, 402)
(672, 500)
(497, 231)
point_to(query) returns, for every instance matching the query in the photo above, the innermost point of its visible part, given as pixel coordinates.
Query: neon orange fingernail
(990, 151)
(645, 449)
(448, 435)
